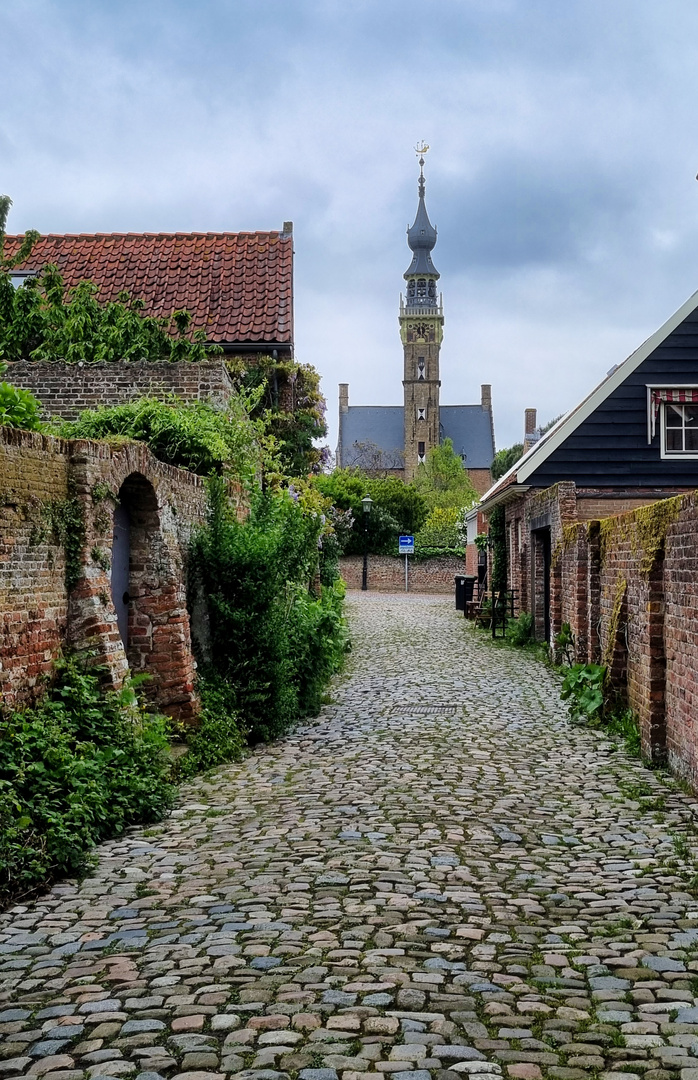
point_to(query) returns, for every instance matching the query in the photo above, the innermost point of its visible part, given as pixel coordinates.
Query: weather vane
(421, 149)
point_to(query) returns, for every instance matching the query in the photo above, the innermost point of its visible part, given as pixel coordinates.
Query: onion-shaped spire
(421, 237)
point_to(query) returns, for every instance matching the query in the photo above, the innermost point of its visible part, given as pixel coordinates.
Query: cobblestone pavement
(438, 876)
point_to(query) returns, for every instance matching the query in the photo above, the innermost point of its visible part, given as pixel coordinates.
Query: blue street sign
(406, 545)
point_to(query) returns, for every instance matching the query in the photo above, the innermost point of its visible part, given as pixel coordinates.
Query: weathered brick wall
(33, 597)
(65, 390)
(39, 478)
(387, 573)
(630, 587)
(681, 639)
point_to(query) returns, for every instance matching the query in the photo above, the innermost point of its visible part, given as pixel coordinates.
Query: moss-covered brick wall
(57, 505)
(66, 390)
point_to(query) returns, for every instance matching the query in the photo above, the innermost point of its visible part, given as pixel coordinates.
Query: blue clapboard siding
(609, 449)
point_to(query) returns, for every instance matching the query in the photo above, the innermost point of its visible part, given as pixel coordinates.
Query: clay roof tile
(237, 286)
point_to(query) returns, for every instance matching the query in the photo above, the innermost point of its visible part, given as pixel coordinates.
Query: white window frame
(667, 455)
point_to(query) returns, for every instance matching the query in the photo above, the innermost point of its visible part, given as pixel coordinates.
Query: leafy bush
(440, 530)
(42, 321)
(220, 733)
(520, 631)
(79, 767)
(194, 436)
(19, 408)
(271, 641)
(443, 480)
(583, 687)
(397, 508)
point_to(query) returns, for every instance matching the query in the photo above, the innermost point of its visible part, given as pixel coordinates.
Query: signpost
(406, 548)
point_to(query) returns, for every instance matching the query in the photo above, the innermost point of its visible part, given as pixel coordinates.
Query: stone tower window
(421, 414)
(421, 288)
(420, 367)
(421, 453)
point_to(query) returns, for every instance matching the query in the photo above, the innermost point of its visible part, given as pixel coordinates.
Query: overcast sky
(564, 146)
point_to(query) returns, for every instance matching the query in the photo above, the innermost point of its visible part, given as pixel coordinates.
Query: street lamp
(367, 503)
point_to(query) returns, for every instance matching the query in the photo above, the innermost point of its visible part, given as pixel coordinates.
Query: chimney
(486, 396)
(530, 434)
(288, 228)
(343, 397)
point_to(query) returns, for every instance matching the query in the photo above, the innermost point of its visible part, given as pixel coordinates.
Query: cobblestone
(437, 877)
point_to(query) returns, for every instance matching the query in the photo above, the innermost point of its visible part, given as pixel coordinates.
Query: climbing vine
(498, 539)
(613, 624)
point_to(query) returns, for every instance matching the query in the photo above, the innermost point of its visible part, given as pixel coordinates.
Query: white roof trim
(503, 496)
(569, 423)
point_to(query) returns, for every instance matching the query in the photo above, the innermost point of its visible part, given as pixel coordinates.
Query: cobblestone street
(438, 876)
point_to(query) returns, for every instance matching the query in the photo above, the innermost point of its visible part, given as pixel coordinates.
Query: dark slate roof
(470, 429)
(468, 426)
(382, 425)
(238, 287)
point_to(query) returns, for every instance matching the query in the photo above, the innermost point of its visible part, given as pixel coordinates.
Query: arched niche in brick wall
(155, 620)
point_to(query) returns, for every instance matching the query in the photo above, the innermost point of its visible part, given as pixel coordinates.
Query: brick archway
(158, 641)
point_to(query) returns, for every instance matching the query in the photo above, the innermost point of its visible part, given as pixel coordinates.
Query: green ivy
(498, 540)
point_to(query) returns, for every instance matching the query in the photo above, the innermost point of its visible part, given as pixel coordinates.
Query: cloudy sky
(564, 138)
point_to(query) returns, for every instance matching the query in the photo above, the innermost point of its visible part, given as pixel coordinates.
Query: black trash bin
(461, 581)
(470, 580)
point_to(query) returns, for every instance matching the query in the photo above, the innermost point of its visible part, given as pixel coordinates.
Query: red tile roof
(237, 286)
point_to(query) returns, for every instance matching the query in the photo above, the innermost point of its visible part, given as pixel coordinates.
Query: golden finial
(421, 149)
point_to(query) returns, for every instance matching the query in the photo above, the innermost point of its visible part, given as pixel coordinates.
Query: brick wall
(33, 597)
(67, 389)
(39, 477)
(387, 573)
(628, 587)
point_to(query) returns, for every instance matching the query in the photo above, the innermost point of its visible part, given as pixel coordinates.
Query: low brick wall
(65, 390)
(386, 573)
(42, 480)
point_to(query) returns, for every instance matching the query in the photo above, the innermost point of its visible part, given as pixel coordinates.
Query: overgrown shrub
(397, 508)
(271, 641)
(79, 767)
(194, 436)
(219, 736)
(520, 631)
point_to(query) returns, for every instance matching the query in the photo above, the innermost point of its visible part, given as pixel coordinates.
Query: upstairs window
(680, 430)
(421, 454)
(420, 368)
(421, 413)
(676, 408)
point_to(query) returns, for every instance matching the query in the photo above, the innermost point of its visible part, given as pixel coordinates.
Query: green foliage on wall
(498, 540)
(291, 408)
(272, 640)
(79, 767)
(196, 436)
(18, 408)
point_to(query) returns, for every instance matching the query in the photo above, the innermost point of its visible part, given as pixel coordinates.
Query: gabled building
(631, 441)
(238, 287)
(397, 438)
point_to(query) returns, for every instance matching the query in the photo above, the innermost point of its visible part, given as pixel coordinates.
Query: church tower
(421, 330)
